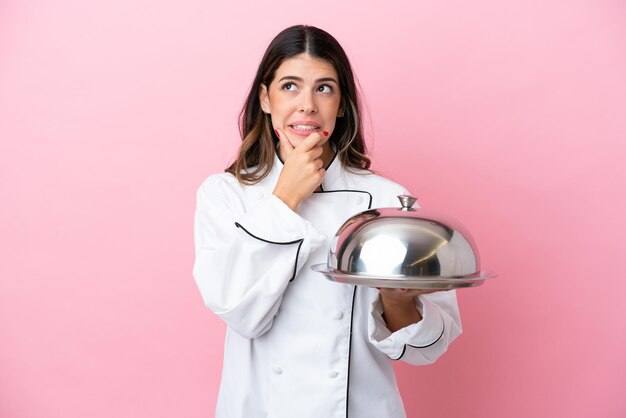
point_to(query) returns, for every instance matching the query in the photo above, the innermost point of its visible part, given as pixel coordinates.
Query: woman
(298, 345)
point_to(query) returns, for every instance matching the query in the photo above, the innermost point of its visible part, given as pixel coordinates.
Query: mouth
(305, 130)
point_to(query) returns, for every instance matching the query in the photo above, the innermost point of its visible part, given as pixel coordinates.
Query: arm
(245, 258)
(420, 342)
(399, 308)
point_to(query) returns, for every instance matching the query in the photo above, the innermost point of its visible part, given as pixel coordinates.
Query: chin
(295, 141)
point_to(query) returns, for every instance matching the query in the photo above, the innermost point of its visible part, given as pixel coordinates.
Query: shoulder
(371, 181)
(218, 183)
(221, 187)
(224, 188)
(383, 190)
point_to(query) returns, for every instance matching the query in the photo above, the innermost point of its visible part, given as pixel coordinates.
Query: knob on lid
(407, 201)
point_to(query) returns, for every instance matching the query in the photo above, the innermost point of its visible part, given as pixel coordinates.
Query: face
(303, 98)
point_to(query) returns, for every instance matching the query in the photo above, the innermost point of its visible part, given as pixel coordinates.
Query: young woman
(298, 345)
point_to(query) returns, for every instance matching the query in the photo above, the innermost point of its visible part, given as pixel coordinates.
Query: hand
(303, 169)
(403, 296)
(399, 308)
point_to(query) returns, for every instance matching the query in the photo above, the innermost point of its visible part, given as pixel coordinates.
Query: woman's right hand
(303, 169)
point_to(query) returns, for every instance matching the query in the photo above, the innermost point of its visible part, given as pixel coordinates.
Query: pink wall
(509, 115)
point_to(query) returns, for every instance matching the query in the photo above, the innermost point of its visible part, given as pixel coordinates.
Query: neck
(327, 154)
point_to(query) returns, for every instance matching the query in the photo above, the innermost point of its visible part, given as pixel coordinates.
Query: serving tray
(405, 282)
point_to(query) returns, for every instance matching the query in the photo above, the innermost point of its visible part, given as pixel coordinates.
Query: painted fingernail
(277, 134)
(325, 133)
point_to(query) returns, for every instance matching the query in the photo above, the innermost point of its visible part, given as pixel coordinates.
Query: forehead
(307, 67)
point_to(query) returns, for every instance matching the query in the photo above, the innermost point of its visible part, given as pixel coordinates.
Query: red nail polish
(325, 133)
(277, 134)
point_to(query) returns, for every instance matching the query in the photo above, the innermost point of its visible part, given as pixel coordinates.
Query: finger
(311, 141)
(316, 152)
(285, 144)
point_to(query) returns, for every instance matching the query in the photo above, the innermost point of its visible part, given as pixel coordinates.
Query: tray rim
(479, 276)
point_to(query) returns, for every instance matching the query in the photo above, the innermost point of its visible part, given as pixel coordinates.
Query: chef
(298, 345)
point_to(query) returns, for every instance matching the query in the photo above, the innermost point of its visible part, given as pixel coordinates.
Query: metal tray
(404, 282)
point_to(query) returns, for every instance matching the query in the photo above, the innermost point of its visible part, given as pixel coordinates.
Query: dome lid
(404, 247)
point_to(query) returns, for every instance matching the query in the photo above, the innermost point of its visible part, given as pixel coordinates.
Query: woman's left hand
(403, 295)
(399, 309)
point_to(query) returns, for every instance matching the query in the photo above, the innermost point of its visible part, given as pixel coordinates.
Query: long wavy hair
(256, 153)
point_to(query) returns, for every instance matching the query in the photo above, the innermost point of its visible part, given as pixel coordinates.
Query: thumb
(285, 145)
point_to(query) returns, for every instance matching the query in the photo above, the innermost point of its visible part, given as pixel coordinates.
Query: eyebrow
(300, 79)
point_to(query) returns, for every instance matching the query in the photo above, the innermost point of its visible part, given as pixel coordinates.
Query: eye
(325, 88)
(289, 86)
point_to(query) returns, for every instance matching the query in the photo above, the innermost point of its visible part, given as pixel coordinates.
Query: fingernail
(277, 134)
(325, 133)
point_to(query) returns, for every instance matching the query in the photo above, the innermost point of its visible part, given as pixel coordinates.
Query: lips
(304, 127)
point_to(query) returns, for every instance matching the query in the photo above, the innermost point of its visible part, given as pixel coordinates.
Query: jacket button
(333, 374)
(338, 315)
(277, 370)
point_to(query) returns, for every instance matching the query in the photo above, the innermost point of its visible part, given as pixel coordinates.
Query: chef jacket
(298, 345)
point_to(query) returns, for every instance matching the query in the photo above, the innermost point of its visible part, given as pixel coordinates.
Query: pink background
(509, 115)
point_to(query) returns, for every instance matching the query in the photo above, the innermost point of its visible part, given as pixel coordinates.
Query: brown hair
(256, 154)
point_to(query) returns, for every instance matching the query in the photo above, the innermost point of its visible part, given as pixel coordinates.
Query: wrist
(292, 203)
(399, 314)
(402, 303)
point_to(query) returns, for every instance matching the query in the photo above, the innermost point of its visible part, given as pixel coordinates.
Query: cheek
(278, 121)
(333, 109)
(280, 113)
(330, 117)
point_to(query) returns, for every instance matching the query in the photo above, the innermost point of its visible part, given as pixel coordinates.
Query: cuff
(419, 335)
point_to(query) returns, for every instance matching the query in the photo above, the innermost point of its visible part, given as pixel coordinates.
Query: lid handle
(407, 202)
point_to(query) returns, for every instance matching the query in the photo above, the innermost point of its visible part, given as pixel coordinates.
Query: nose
(308, 105)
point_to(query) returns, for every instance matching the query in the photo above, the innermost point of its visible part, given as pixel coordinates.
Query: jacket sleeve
(245, 258)
(424, 341)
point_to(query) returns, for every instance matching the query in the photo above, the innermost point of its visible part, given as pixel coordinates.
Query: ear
(341, 110)
(264, 99)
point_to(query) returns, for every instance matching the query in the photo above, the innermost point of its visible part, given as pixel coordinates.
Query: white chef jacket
(298, 345)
